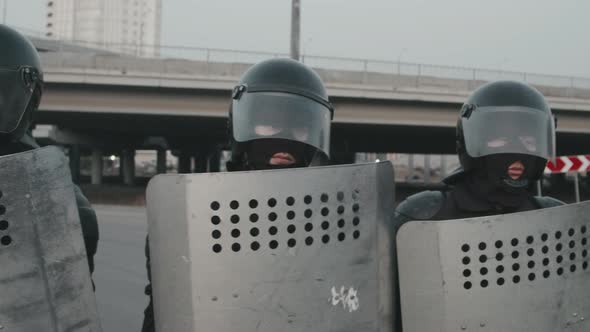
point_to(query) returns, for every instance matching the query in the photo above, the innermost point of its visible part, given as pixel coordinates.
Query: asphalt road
(120, 274)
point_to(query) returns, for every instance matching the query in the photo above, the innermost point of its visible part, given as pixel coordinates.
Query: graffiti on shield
(348, 298)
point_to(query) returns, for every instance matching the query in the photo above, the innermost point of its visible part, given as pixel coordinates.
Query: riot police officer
(505, 136)
(21, 88)
(279, 118)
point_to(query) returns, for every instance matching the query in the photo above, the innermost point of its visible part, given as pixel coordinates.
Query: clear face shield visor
(264, 115)
(16, 90)
(508, 129)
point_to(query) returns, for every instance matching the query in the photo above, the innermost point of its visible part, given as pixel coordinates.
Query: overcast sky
(542, 36)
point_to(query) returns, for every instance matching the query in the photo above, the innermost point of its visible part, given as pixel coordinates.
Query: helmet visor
(509, 129)
(281, 115)
(14, 98)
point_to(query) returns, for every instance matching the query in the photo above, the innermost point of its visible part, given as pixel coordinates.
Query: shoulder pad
(421, 206)
(455, 176)
(547, 202)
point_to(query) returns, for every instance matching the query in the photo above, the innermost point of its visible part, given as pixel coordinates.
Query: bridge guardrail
(394, 74)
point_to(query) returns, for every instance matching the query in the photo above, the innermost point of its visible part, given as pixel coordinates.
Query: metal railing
(348, 70)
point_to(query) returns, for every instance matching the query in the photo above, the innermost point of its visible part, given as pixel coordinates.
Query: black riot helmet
(21, 83)
(284, 102)
(506, 118)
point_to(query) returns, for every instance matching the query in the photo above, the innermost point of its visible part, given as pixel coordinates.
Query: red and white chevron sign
(569, 164)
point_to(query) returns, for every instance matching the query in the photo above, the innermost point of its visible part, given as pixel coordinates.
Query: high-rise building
(128, 26)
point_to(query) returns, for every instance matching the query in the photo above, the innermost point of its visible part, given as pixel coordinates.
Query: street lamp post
(4, 9)
(295, 28)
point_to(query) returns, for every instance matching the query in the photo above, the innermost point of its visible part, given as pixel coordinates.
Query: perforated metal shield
(516, 272)
(286, 250)
(44, 277)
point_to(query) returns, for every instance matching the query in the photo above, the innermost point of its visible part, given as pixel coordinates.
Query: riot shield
(45, 282)
(515, 272)
(284, 250)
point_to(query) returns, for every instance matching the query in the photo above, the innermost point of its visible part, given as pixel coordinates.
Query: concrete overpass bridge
(110, 102)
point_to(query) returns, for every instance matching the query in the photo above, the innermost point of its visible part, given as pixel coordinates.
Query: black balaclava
(490, 181)
(259, 152)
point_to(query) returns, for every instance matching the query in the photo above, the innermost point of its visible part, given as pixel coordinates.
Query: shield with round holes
(44, 277)
(516, 272)
(285, 250)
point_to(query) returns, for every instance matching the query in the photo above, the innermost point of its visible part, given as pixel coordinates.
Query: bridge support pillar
(207, 159)
(96, 167)
(214, 160)
(161, 161)
(200, 162)
(427, 168)
(74, 156)
(128, 166)
(443, 166)
(184, 162)
(410, 167)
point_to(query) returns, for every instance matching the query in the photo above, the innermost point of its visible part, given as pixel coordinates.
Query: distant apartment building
(128, 26)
